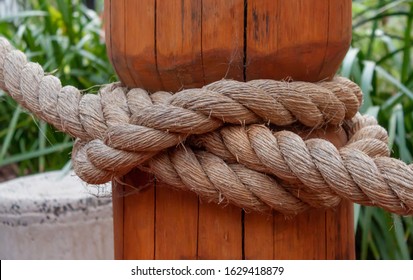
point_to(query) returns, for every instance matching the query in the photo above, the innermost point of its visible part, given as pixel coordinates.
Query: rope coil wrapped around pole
(227, 141)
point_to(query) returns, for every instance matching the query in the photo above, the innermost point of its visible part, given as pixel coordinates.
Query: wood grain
(261, 34)
(176, 224)
(300, 238)
(220, 232)
(184, 43)
(339, 37)
(107, 21)
(223, 39)
(140, 43)
(178, 47)
(118, 216)
(258, 237)
(285, 41)
(220, 228)
(262, 39)
(117, 41)
(302, 37)
(139, 217)
(340, 236)
(179, 44)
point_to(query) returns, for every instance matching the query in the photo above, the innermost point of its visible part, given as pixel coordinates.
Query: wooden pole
(170, 45)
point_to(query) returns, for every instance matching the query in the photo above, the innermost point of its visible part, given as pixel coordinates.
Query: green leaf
(401, 241)
(357, 208)
(405, 154)
(393, 126)
(23, 14)
(10, 132)
(349, 62)
(35, 154)
(383, 73)
(366, 84)
(365, 223)
(373, 111)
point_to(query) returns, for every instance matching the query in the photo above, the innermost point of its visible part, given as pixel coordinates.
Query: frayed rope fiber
(228, 141)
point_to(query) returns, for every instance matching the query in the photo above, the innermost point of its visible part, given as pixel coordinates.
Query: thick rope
(223, 141)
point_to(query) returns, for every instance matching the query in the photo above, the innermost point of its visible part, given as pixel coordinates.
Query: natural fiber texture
(228, 141)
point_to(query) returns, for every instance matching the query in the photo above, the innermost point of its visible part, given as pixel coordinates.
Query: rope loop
(256, 144)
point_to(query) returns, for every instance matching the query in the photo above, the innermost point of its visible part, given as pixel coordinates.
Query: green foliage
(380, 61)
(65, 38)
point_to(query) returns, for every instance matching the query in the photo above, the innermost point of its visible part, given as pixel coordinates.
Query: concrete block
(47, 216)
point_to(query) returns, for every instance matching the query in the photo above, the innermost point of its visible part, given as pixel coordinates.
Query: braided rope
(223, 141)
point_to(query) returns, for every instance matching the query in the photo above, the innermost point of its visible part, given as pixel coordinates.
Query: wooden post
(170, 45)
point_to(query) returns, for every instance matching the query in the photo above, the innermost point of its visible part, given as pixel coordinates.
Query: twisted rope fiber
(223, 141)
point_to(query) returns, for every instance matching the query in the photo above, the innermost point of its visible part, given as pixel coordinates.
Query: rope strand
(229, 142)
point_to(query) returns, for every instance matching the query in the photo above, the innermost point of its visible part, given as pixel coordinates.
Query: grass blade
(349, 62)
(387, 76)
(357, 208)
(408, 41)
(10, 132)
(405, 154)
(401, 242)
(23, 14)
(42, 145)
(35, 154)
(393, 126)
(366, 231)
(366, 84)
(373, 111)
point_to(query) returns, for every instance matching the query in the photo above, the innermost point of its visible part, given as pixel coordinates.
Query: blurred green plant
(66, 38)
(380, 61)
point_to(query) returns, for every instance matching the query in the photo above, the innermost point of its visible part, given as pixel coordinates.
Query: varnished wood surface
(339, 35)
(288, 39)
(223, 56)
(179, 42)
(176, 223)
(134, 216)
(158, 222)
(220, 232)
(258, 236)
(303, 237)
(179, 230)
(140, 42)
(220, 228)
(118, 215)
(117, 43)
(340, 232)
(176, 44)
